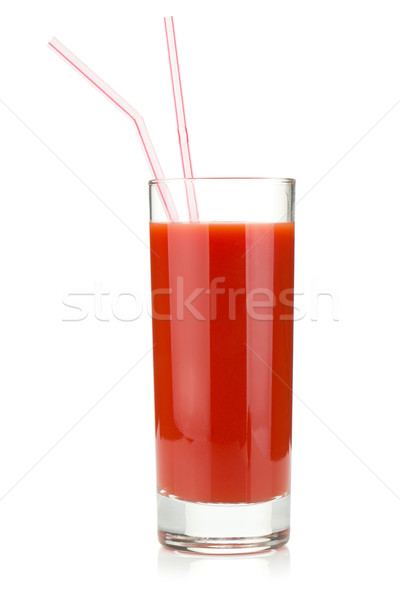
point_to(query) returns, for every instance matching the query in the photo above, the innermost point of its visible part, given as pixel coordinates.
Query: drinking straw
(131, 112)
(181, 117)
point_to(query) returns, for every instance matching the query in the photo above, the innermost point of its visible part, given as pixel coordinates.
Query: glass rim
(278, 180)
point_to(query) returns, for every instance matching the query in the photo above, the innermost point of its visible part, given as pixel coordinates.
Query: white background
(271, 89)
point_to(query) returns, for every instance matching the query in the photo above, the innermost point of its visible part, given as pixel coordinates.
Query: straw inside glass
(181, 118)
(131, 112)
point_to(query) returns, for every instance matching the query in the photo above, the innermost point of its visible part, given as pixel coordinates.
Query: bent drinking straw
(181, 117)
(126, 108)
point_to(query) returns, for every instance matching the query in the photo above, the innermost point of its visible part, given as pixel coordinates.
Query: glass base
(223, 528)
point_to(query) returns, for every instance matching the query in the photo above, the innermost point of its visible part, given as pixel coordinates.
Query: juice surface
(223, 343)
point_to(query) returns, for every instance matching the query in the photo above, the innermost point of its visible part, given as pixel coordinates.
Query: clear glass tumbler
(222, 309)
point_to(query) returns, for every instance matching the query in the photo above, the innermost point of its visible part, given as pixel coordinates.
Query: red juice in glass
(222, 301)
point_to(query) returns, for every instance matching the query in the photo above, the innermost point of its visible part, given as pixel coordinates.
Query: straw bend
(131, 112)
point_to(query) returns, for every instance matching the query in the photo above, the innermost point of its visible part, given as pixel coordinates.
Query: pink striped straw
(181, 118)
(126, 108)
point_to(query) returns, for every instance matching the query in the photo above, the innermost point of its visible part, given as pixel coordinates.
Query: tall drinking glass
(222, 309)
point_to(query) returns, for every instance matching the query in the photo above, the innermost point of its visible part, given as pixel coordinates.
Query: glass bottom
(223, 528)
